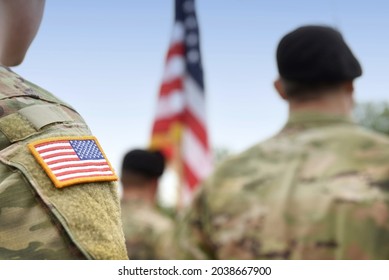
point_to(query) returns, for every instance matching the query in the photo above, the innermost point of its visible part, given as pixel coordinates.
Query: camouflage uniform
(37, 220)
(148, 233)
(317, 190)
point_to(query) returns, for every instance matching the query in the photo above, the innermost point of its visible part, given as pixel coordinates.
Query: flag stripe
(60, 165)
(175, 68)
(171, 86)
(57, 152)
(177, 49)
(49, 145)
(197, 128)
(195, 155)
(190, 179)
(67, 171)
(195, 100)
(84, 174)
(164, 125)
(50, 148)
(170, 105)
(178, 33)
(60, 159)
(75, 163)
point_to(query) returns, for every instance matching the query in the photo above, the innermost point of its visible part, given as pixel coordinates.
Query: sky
(106, 58)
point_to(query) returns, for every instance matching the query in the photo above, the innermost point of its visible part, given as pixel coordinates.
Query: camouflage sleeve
(191, 237)
(26, 229)
(362, 229)
(348, 218)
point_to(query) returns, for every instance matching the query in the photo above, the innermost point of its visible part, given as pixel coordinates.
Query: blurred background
(106, 58)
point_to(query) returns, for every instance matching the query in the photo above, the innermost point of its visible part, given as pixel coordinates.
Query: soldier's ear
(279, 86)
(348, 87)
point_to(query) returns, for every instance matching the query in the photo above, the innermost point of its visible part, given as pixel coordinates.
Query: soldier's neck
(339, 104)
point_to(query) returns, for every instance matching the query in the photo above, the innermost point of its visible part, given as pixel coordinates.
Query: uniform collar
(304, 120)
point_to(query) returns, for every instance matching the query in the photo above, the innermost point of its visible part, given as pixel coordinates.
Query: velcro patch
(73, 160)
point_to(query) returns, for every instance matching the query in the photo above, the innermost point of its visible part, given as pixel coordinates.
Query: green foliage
(373, 115)
(220, 154)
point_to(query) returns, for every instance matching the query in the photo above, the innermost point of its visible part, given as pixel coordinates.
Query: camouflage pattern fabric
(317, 190)
(37, 220)
(148, 232)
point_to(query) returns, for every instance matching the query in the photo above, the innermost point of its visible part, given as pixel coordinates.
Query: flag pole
(180, 172)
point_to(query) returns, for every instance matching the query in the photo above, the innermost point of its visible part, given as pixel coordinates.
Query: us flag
(180, 128)
(69, 161)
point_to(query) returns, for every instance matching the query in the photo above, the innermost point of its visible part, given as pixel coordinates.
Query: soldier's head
(316, 65)
(19, 23)
(140, 172)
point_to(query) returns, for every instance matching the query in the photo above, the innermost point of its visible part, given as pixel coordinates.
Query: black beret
(315, 54)
(146, 163)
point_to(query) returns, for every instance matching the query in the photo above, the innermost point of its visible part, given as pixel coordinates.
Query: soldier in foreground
(57, 195)
(146, 229)
(319, 189)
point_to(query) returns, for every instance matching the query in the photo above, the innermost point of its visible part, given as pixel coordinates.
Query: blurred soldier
(146, 229)
(318, 189)
(57, 195)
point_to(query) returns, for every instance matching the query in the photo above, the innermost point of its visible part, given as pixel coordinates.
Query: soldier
(146, 229)
(316, 190)
(58, 199)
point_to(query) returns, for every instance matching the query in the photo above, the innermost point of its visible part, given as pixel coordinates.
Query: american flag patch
(73, 160)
